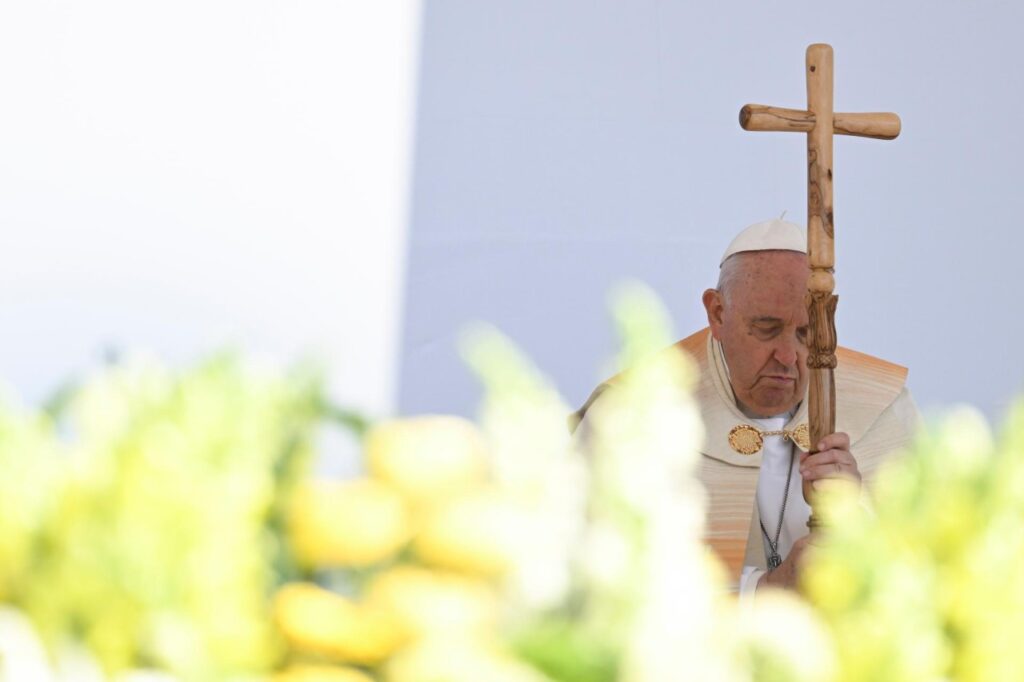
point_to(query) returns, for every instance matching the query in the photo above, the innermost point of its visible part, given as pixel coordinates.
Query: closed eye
(767, 331)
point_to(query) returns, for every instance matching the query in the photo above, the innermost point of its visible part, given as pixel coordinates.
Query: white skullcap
(771, 235)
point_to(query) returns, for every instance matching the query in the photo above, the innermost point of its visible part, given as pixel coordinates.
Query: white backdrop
(563, 146)
(180, 176)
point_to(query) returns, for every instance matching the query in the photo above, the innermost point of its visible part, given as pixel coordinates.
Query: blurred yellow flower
(428, 458)
(457, 659)
(429, 602)
(347, 523)
(317, 620)
(320, 673)
(479, 533)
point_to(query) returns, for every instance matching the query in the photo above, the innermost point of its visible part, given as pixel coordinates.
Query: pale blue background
(564, 146)
(174, 177)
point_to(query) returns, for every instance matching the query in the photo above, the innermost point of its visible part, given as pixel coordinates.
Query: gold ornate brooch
(748, 440)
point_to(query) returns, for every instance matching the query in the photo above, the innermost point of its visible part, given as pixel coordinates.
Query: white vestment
(873, 406)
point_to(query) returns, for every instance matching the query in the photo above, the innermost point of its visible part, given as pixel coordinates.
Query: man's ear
(714, 306)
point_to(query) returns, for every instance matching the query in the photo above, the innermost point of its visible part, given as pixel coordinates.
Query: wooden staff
(820, 123)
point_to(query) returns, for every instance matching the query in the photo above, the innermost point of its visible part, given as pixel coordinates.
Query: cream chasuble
(873, 407)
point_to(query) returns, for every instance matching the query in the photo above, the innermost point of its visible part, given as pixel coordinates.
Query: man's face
(760, 318)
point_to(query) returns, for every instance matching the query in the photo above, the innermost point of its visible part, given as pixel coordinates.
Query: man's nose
(786, 352)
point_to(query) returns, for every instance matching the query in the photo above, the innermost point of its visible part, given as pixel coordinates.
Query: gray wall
(564, 146)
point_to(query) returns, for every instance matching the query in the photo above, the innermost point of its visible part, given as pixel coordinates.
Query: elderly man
(752, 389)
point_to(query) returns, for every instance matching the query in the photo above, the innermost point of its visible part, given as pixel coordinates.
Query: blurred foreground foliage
(931, 585)
(141, 519)
(166, 525)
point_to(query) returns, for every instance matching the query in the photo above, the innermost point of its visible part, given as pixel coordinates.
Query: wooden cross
(820, 123)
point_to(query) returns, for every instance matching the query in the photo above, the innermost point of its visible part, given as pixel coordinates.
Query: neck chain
(773, 545)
